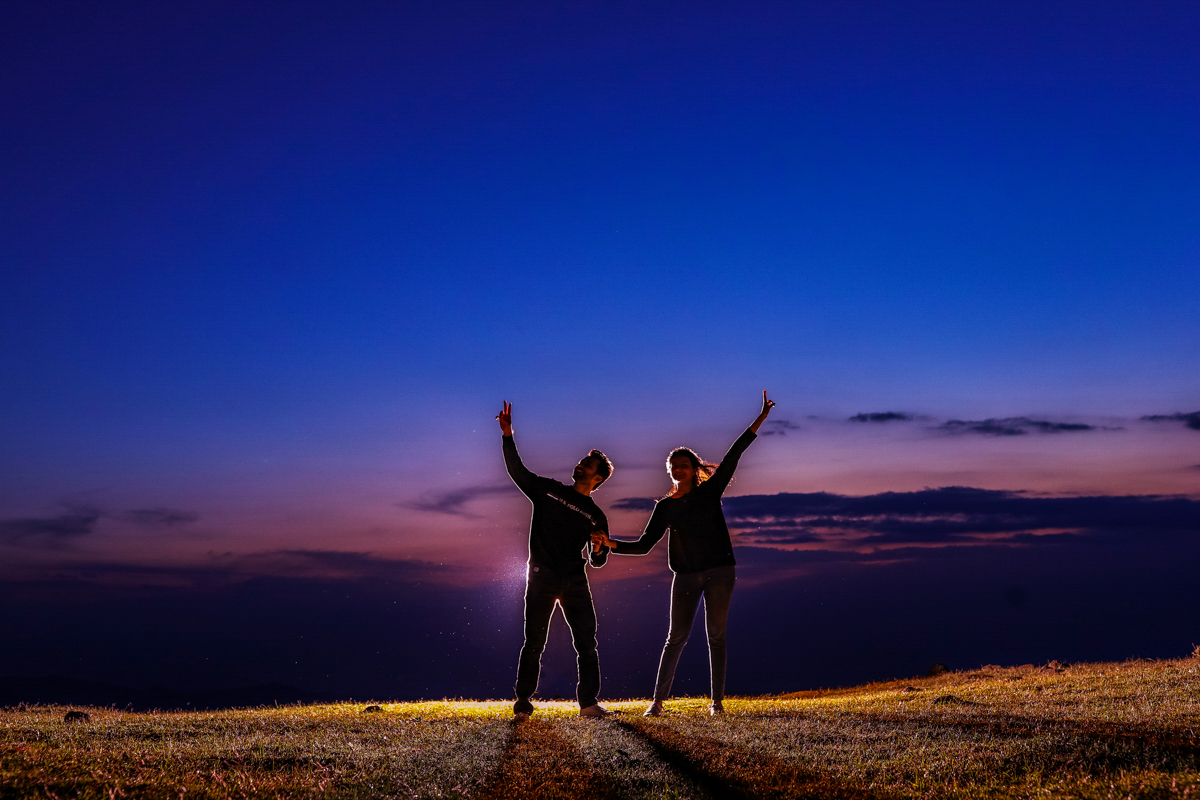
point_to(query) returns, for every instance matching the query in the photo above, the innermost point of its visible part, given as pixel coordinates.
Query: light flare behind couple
(568, 531)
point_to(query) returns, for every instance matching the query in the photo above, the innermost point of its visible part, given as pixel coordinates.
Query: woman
(700, 554)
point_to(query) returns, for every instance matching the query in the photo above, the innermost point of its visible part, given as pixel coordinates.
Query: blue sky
(268, 271)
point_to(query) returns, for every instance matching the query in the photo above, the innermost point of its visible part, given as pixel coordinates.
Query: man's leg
(540, 594)
(718, 591)
(685, 599)
(580, 614)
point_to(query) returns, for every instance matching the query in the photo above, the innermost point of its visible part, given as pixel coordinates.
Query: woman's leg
(685, 599)
(718, 591)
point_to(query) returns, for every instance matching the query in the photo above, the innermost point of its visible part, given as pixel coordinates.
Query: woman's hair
(704, 469)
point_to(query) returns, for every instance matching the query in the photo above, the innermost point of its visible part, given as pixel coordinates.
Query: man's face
(585, 470)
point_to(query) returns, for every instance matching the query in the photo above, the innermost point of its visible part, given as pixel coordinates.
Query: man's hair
(604, 467)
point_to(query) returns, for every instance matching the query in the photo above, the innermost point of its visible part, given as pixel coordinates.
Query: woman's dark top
(699, 536)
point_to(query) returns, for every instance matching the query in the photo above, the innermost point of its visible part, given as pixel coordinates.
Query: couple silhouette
(568, 531)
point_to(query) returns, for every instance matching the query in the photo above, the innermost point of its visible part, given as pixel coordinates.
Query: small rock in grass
(910, 689)
(937, 669)
(77, 716)
(372, 709)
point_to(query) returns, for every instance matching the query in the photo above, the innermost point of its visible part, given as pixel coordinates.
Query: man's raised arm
(521, 476)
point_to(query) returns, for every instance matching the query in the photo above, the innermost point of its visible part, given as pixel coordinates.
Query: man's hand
(600, 539)
(505, 417)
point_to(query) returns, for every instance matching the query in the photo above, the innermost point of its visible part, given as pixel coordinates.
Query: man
(564, 519)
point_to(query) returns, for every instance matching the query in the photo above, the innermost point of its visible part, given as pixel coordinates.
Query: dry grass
(415, 750)
(1087, 731)
(1098, 730)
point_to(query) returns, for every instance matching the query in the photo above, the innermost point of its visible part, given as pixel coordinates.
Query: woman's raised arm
(724, 474)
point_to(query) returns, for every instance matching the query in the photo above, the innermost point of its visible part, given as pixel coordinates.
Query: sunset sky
(268, 270)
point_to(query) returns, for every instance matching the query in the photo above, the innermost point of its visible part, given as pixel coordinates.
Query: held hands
(600, 539)
(766, 409)
(505, 417)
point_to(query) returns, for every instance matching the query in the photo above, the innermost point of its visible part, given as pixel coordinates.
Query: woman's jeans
(716, 586)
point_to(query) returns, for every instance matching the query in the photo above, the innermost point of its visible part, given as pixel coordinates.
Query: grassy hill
(1087, 730)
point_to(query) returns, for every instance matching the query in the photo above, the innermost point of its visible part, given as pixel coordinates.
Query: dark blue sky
(267, 270)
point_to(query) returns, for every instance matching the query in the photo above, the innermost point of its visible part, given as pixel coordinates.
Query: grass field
(1089, 731)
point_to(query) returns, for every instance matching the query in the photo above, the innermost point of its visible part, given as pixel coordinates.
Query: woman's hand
(766, 409)
(505, 417)
(600, 539)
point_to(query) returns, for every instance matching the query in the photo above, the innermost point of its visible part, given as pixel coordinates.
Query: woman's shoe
(716, 710)
(655, 710)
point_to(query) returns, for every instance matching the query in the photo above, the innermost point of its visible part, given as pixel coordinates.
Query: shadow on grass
(539, 763)
(729, 771)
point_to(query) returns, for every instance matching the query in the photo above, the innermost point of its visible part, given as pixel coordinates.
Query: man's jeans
(542, 591)
(716, 586)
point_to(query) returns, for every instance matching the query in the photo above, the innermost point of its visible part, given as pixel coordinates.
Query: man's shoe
(716, 709)
(655, 710)
(522, 710)
(595, 711)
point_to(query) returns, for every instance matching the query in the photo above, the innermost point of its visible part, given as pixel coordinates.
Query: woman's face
(682, 471)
